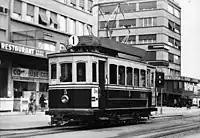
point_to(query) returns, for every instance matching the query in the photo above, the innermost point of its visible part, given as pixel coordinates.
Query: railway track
(189, 124)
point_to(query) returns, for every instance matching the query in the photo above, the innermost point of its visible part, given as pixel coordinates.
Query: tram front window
(81, 72)
(66, 72)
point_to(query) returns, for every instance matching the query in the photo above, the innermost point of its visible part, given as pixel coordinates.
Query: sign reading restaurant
(22, 49)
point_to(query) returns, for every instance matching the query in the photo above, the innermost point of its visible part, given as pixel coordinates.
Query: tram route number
(73, 40)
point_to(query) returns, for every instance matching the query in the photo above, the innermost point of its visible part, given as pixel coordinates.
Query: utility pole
(161, 100)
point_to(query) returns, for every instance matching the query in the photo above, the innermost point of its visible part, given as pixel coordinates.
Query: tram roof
(111, 44)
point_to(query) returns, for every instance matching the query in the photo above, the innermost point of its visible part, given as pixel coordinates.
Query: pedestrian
(175, 102)
(42, 102)
(32, 103)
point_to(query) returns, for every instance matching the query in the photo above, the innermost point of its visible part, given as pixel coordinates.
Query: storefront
(23, 70)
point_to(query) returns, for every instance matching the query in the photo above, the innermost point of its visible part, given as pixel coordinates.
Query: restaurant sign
(181, 78)
(22, 49)
(20, 73)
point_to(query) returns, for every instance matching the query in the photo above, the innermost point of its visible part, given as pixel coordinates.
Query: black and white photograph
(99, 68)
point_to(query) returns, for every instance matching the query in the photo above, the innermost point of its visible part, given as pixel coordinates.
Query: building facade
(154, 25)
(29, 30)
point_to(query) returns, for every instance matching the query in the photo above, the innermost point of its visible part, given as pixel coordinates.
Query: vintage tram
(100, 79)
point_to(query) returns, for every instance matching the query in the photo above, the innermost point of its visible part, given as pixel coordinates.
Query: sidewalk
(19, 120)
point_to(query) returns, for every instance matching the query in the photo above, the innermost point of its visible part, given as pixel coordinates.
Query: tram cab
(100, 78)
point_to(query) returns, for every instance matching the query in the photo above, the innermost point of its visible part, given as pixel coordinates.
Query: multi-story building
(154, 25)
(29, 30)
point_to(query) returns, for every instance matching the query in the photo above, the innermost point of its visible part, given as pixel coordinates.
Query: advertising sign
(23, 73)
(22, 49)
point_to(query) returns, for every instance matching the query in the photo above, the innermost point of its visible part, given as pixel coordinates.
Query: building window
(145, 22)
(62, 1)
(177, 44)
(43, 19)
(176, 59)
(176, 13)
(73, 2)
(170, 41)
(151, 38)
(113, 74)
(80, 29)
(131, 39)
(127, 23)
(170, 9)
(136, 77)
(171, 25)
(109, 9)
(66, 72)
(72, 25)
(3, 10)
(53, 20)
(110, 24)
(177, 28)
(82, 4)
(171, 58)
(142, 78)
(90, 2)
(147, 5)
(94, 72)
(128, 8)
(30, 13)
(121, 75)
(62, 21)
(129, 72)
(81, 72)
(17, 9)
(53, 71)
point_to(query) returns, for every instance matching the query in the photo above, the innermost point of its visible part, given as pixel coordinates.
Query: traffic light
(160, 79)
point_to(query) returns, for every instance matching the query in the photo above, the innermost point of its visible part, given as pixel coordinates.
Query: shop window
(30, 13)
(136, 77)
(81, 72)
(66, 72)
(147, 5)
(43, 19)
(121, 75)
(82, 4)
(129, 72)
(53, 71)
(113, 74)
(94, 72)
(21, 87)
(142, 78)
(53, 20)
(17, 9)
(43, 87)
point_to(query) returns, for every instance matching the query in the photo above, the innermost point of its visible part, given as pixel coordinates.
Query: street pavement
(19, 120)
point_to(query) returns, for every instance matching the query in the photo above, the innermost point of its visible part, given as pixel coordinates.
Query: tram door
(102, 100)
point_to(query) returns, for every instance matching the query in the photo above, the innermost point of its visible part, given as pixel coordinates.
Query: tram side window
(152, 79)
(81, 72)
(129, 75)
(143, 78)
(53, 71)
(94, 72)
(136, 77)
(66, 72)
(113, 74)
(121, 73)
(148, 78)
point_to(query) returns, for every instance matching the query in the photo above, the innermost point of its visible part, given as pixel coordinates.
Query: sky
(190, 34)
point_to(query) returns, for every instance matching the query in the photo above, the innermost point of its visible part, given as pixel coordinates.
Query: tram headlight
(64, 99)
